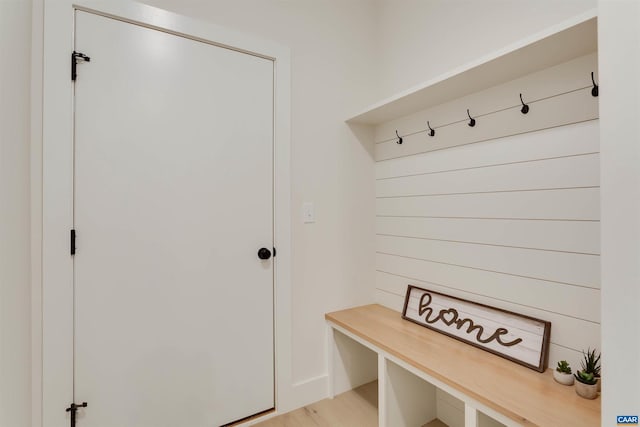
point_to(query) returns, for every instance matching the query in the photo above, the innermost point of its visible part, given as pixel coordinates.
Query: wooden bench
(408, 354)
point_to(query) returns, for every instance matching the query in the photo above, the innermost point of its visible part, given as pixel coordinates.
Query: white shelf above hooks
(555, 45)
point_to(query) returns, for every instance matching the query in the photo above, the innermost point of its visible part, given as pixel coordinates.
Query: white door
(173, 193)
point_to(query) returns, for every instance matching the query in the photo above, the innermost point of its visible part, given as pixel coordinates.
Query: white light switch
(308, 213)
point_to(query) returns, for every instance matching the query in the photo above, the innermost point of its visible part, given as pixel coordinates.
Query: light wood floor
(355, 408)
(358, 407)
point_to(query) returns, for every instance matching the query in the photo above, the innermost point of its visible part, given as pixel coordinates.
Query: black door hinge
(75, 57)
(72, 411)
(73, 242)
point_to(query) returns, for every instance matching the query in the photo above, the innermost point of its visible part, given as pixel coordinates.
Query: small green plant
(586, 377)
(591, 362)
(563, 366)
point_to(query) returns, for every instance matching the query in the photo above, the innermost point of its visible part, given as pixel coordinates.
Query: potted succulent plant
(587, 379)
(591, 364)
(562, 373)
(586, 385)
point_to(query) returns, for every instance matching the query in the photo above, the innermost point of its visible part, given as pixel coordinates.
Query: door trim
(52, 154)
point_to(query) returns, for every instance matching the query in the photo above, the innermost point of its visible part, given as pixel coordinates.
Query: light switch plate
(308, 213)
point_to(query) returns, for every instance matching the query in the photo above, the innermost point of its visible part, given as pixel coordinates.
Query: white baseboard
(302, 393)
(307, 392)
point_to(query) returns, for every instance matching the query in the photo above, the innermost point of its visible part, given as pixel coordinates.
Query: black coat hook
(525, 107)
(432, 132)
(472, 121)
(594, 91)
(399, 141)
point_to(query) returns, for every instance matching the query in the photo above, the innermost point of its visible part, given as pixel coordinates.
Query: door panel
(173, 198)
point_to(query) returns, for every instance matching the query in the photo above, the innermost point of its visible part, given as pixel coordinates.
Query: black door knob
(264, 253)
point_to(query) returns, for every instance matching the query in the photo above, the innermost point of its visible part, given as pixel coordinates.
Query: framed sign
(521, 339)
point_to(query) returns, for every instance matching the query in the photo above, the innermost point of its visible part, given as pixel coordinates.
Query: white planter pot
(562, 378)
(587, 391)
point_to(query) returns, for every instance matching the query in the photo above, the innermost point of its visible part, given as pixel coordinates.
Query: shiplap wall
(505, 213)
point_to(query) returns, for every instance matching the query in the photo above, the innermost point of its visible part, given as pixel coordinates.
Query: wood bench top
(522, 394)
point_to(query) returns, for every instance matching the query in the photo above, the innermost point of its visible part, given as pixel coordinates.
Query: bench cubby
(425, 377)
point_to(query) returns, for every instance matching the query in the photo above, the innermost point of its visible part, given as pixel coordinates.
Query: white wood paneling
(450, 409)
(570, 236)
(579, 138)
(582, 303)
(389, 299)
(487, 421)
(453, 401)
(573, 204)
(573, 107)
(506, 213)
(562, 172)
(562, 267)
(410, 400)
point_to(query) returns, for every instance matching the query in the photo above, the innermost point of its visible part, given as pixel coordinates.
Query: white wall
(619, 41)
(331, 54)
(15, 305)
(420, 39)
